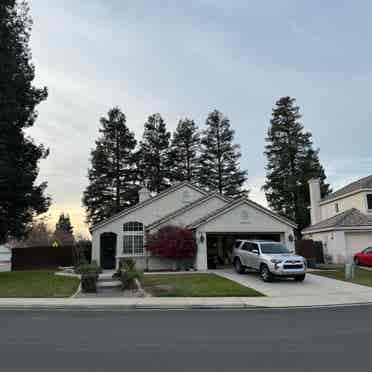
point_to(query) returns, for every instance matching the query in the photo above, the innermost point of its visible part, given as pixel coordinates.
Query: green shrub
(128, 273)
(89, 283)
(89, 268)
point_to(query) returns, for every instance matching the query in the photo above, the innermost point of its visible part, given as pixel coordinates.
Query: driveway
(315, 290)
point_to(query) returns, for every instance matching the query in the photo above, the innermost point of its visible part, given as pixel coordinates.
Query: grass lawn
(361, 276)
(36, 284)
(195, 285)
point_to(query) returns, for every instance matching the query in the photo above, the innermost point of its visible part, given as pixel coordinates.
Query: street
(257, 340)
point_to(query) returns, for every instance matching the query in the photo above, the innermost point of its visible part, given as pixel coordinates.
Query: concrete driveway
(315, 290)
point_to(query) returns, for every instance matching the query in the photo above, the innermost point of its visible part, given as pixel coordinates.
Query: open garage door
(220, 245)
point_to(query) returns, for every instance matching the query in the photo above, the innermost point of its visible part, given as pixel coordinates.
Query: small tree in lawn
(172, 242)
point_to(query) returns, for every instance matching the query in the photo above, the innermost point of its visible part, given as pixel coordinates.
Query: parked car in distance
(269, 258)
(5, 258)
(364, 257)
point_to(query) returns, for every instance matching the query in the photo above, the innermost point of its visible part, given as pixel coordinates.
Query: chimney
(315, 212)
(144, 194)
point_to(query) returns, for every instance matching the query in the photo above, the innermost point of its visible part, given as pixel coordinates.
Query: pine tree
(64, 231)
(64, 224)
(113, 183)
(184, 150)
(154, 154)
(219, 160)
(292, 162)
(21, 198)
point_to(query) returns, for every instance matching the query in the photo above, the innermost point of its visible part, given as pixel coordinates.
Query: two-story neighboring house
(342, 221)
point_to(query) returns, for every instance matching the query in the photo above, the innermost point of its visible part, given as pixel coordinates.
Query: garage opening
(220, 245)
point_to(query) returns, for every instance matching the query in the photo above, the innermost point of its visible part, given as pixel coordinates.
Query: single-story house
(342, 221)
(216, 221)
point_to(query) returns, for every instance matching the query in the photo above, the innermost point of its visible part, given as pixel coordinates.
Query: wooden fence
(32, 258)
(311, 250)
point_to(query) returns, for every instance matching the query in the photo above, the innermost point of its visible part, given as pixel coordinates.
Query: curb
(165, 307)
(127, 307)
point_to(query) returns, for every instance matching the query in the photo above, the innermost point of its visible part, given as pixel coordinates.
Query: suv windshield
(273, 248)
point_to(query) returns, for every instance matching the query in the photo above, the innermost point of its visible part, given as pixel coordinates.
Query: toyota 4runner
(270, 259)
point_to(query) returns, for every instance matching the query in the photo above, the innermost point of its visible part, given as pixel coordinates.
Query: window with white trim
(133, 239)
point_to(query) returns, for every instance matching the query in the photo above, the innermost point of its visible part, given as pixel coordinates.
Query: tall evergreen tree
(64, 224)
(292, 162)
(184, 150)
(21, 198)
(219, 160)
(113, 183)
(154, 154)
(64, 232)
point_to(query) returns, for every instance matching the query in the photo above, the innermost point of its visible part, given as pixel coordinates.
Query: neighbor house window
(133, 239)
(369, 202)
(337, 208)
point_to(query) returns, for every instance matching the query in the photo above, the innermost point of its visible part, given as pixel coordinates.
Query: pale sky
(187, 58)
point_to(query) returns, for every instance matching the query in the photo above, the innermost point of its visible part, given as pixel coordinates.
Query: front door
(108, 251)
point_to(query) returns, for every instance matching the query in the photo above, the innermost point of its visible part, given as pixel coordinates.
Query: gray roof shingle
(350, 218)
(363, 183)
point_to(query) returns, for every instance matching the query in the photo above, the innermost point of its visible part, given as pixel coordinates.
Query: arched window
(133, 239)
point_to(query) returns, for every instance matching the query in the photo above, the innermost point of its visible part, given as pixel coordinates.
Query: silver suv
(270, 259)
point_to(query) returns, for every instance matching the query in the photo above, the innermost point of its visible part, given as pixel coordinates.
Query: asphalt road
(262, 340)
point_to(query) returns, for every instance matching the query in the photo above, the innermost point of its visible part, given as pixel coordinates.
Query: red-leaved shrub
(172, 242)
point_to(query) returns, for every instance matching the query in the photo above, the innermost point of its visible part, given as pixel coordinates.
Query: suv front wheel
(265, 273)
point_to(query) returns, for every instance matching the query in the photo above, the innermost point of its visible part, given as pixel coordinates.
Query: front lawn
(36, 284)
(195, 285)
(362, 276)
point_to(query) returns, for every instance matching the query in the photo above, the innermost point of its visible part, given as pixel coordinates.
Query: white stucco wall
(146, 214)
(235, 221)
(338, 245)
(257, 221)
(358, 201)
(195, 213)
(357, 241)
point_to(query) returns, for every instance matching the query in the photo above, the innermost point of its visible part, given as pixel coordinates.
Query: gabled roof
(237, 202)
(186, 208)
(147, 202)
(350, 218)
(363, 183)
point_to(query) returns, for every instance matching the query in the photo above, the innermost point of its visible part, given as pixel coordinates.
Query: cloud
(188, 58)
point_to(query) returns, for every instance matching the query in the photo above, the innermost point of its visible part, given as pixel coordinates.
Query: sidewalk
(314, 292)
(183, 303)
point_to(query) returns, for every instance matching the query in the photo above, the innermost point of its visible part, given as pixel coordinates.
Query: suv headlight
(276, 261)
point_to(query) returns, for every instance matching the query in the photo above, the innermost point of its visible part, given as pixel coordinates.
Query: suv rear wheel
(265, 273)
(239, 268)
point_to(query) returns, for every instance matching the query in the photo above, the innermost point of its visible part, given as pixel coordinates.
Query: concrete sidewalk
(185, 302)
(315, 291)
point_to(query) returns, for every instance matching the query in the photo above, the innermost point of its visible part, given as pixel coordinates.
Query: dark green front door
(108, 251)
